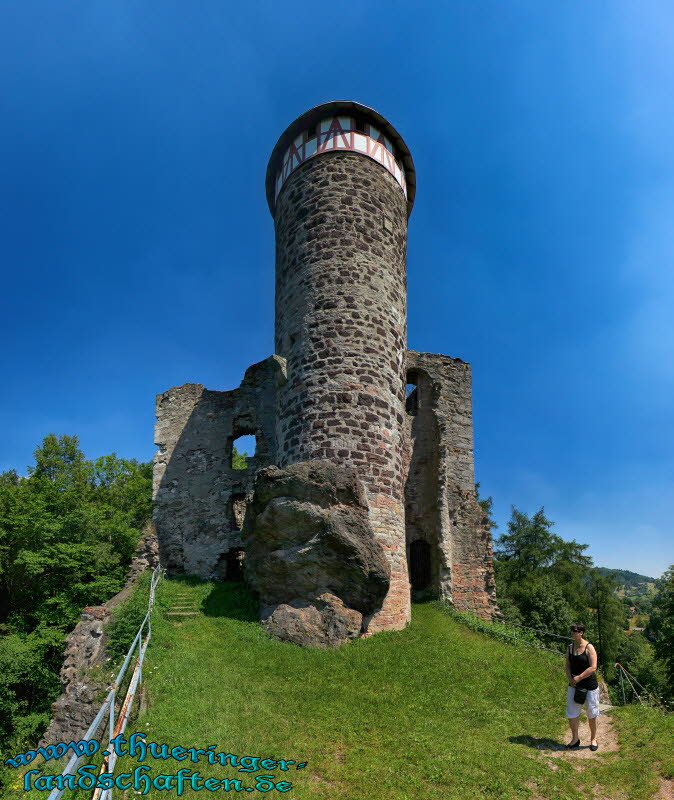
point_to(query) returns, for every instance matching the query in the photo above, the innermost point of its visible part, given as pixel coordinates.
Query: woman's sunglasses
(577, 630)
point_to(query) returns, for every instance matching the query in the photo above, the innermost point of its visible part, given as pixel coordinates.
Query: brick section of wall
(440, 504)
(197, 495)
(341, 227)
(388, 524)
(473, 587)
(341, 324)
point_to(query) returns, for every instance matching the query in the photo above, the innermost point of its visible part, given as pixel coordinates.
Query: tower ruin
(341, 386)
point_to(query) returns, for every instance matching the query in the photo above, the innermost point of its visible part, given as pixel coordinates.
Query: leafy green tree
(638, 657)
(610, 619)
(544, 606)
(67, 534)
(660, 629)
(487, 504)
(530, 550)
(239, 460)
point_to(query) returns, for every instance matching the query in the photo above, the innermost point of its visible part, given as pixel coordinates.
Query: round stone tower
(340, 186)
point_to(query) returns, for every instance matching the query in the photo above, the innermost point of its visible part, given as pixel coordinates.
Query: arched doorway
(420, 565)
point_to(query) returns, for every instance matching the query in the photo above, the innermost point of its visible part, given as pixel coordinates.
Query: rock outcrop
(311, 554)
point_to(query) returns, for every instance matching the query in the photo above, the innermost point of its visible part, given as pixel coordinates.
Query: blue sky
(137, 248)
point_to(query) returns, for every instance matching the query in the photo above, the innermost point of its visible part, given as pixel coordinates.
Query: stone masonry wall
(341, 233)
(199, 499)
(441, 507)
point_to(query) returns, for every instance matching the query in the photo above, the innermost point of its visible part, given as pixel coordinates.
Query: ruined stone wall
(341, 232)
(199, 499)
(441, 507)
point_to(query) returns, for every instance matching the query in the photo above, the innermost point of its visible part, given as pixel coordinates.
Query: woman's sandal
(573, 745)
(594, 747)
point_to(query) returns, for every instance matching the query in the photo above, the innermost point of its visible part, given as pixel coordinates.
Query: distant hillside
(625, 577)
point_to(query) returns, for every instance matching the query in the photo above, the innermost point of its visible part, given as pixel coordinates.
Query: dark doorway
(420, 565)
(234, 564)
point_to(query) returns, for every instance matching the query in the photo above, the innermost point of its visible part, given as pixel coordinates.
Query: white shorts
(591, 704)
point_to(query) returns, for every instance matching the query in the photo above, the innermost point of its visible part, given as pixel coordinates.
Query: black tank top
(579, 664)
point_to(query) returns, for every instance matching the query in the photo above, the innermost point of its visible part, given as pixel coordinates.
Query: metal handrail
(538, 630)
(514, 636)
(109, 702)
(622, 669)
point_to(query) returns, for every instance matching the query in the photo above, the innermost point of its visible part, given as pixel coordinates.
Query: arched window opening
(411, 397)
(243, 448)
(420, 565)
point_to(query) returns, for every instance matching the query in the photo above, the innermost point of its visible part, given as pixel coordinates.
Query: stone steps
(184, 605)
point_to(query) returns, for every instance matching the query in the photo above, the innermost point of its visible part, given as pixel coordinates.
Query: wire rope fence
(524, 635)
(645, 698)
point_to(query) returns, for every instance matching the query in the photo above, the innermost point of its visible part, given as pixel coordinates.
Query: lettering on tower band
(340, 133)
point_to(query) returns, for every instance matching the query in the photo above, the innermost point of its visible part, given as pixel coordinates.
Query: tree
(610, 621)
(487, 506)
(660, 628)
(67, 534)
(530, 547)
(239, 460)
(540, 574)
(545, 607)
(638, 657)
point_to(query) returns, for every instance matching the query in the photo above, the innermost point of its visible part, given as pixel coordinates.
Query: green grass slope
(434, 712)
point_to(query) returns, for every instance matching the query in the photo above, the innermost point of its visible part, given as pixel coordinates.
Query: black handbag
(579, 695)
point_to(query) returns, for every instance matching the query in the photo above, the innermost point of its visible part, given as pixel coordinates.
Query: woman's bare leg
(573, 724)
(593, 729)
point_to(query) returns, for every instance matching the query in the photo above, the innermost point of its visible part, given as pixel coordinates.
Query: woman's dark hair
(578, 626)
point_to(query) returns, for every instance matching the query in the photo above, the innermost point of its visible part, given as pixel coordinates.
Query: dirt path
(606, 739)
(666, 790)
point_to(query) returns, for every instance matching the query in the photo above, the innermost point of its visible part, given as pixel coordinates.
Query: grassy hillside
(435, 712)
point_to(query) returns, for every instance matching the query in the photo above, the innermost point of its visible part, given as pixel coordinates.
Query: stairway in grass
(182, 607)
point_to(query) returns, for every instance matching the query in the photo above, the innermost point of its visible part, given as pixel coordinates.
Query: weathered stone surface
(311, 554)
(199, 499)
(441, 510)
(335, 391)
(324, 622)
(341, 325)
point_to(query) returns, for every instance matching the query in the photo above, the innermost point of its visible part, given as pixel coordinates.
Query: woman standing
(581, 666)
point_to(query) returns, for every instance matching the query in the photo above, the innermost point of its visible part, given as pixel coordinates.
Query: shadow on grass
(538, 744)
(186, 580)
(231, 600)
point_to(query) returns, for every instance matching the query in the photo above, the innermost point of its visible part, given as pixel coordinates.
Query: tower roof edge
(339, 107)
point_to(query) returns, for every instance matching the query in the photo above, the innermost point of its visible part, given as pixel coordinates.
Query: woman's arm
(592, 655)
(567, 667)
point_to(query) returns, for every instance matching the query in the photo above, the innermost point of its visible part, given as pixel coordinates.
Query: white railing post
(111, 726)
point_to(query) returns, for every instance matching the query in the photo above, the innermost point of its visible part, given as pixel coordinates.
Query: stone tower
(340, 389)
(340, 185)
